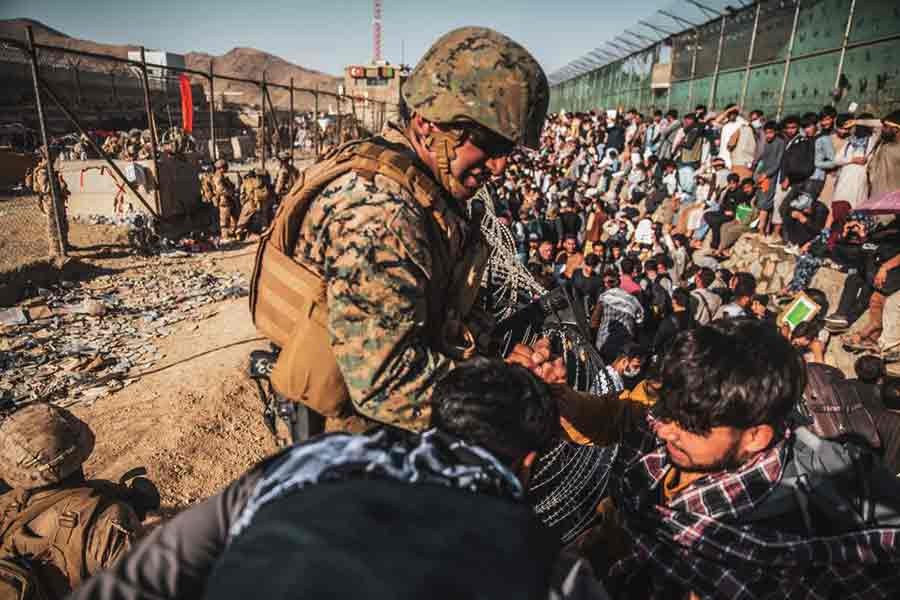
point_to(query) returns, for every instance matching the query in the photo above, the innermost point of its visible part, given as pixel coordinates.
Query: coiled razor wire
(525, 311)
(511, 285)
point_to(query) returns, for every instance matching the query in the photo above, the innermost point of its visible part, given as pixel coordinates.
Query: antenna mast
(376, 32)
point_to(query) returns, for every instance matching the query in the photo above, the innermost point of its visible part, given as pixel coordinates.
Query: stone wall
(773, 269)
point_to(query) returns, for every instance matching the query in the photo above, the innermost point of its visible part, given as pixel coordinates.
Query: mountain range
(242, 62)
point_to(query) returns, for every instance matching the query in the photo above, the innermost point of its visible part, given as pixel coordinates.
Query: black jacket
(799, 161)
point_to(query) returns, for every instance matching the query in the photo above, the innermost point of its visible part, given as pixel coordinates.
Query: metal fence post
(787, 62)
(316, 120)
(57, 230)
(693, 69)
(214, 152)
(291, 124)
(847, 30)
(340, 123)
(715, 79)
(262, 125)
(750, 52)
(151, 123)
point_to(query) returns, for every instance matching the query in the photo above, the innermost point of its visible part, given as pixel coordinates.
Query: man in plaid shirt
(714, 492)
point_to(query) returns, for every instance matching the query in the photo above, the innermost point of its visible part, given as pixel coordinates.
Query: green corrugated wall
(871, 63)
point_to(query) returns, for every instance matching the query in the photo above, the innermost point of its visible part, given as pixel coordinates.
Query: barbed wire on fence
(777, 55)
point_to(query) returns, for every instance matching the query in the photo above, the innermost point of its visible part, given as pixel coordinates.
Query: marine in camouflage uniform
(366, 236)
(39, 182)
(112, 145)
(256, 199)
(287, 175)
(225, 198)
(69, 527)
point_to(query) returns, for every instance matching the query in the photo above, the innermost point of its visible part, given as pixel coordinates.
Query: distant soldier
(225, 198)
(56, 528)
(256, 199)
(112, 145)
(39, 181)
(79, 151)
(287, 174)
(206, 187)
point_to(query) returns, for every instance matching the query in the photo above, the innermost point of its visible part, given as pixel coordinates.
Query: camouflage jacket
(367, 239)
(223, 190)
(285, 179)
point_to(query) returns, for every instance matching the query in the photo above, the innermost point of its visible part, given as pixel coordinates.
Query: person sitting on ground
(867, 289)
(869, 389)
(707, 477)
(759, 308)
(725, 213)
(56, 524)
(803, 218)
(743, 287)
(311, 522)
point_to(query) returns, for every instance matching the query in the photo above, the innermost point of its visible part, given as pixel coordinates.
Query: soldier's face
(472, 166)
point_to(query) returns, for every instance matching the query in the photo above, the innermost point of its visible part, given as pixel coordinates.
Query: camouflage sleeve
(377, 263)
(110, 537)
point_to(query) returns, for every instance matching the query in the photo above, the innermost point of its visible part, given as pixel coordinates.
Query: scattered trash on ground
(77, 342)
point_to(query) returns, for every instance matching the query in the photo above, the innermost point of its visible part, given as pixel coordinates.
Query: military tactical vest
(70, 513)
(288, 300)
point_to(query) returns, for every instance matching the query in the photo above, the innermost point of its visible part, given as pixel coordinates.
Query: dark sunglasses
(487, 141)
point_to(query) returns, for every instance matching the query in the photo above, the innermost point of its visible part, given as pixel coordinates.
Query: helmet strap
(445, 152)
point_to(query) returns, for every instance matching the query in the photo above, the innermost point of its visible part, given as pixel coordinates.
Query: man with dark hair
(680, 319)
(766, 169)
(883, 172)
(386, 514)
(797, 164)
(627, 281)
(586, 282)
(704, 302)
(743, 287)
(704, 498)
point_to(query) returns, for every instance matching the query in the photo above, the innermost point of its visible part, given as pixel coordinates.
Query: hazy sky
(329, 34)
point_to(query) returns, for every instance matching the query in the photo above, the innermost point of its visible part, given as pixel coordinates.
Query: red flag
(187, 104)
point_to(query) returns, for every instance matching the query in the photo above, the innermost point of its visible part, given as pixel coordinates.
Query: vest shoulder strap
(370, 157)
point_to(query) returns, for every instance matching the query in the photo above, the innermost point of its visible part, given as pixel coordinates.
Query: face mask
(757, 123)
(630, 373)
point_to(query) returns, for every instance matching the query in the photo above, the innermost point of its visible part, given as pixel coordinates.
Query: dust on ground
(194, 420)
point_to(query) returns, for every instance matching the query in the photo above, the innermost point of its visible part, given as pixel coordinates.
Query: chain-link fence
(115, 123)
(780, 56)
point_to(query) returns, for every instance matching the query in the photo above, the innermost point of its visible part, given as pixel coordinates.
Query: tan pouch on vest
(306, 370)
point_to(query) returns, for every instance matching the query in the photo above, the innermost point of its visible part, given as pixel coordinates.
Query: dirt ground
(194, 419)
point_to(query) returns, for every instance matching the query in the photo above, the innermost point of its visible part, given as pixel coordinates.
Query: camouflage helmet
(42, 444)
(477, 74)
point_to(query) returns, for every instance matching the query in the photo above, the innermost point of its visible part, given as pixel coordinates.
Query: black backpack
(834, 409)
(798, 163)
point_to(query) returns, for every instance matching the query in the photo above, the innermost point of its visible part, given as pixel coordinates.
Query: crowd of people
(719, 457)
(639, 214)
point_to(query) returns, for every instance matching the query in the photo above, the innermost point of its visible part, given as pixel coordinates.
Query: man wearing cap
(287, 174)
(884, 164)
(225, 199)
(389, 264)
